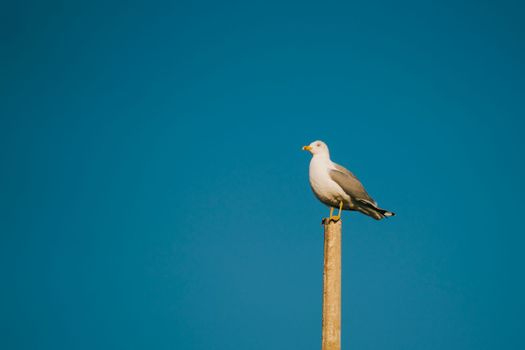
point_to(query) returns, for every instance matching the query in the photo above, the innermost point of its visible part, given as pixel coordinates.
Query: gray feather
(361, 200)
(350, 184)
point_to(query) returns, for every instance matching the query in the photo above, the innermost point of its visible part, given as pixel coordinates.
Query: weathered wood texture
(332, 287)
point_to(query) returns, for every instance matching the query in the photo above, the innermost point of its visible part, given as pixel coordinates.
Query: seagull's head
(317, 148)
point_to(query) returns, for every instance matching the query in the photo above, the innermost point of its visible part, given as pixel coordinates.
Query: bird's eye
(318, 145)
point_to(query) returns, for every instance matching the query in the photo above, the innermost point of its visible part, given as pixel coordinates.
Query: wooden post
(332, 287)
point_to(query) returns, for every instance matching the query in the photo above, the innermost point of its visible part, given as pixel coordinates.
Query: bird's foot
(334, 218)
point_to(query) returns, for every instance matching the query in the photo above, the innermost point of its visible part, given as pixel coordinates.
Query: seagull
(337, 187)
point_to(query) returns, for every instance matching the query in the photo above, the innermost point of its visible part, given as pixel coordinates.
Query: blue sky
(155, 195)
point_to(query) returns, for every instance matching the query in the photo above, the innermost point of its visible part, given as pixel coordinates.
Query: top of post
(331, 223)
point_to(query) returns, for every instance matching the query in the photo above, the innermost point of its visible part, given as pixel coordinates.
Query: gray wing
(350, 184)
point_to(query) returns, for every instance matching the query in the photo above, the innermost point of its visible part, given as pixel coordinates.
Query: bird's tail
(372, 210)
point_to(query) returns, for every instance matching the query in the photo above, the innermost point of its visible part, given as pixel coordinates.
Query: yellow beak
(307, 148)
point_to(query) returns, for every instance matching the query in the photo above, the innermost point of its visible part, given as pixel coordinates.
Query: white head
(317, 148)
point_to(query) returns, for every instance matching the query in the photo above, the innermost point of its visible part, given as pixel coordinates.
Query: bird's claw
(335, 218)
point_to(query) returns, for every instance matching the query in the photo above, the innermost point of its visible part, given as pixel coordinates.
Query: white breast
(325, 189)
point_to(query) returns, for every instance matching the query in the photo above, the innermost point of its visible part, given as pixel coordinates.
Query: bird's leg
(327, 220)
(338, 216)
